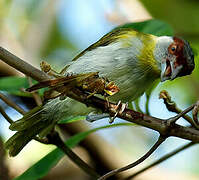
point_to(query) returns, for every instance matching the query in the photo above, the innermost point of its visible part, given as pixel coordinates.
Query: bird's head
(175, 56)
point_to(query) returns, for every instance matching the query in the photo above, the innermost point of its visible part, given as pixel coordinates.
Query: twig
(55, 139)
(181, 114)
(5, 115)
(35, 95)
(167, 156)
(153, 148)
(171, 106)
(22, 66)
(11, 104)
(195, 113)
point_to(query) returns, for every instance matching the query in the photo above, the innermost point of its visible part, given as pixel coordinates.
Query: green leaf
(13, 85)
(10, 83)
(43, 166)
(154, 26)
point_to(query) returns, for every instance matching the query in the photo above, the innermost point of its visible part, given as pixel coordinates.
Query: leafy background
(56, 31)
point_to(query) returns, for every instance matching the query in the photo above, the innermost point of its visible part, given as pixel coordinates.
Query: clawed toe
(119, 109)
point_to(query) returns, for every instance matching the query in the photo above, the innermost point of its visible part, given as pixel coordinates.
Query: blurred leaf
(182, 15)
(13, 85)
(43, 166)
(72, 119)
(32, 8)
(154, 26)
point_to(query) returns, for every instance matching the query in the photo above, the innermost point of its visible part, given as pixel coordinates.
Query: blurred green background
(56, 31)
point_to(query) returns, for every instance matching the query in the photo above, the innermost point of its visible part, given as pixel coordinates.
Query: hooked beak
(169, 71)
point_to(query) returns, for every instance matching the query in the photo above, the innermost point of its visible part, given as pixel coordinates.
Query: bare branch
(139, 161)
(156, 124)
(175, 118)
(35, 95)
(167, 156)
(5, 115)
(55, 139)
(22, 66)
(171, 106)
(195, 113)
(11, 104)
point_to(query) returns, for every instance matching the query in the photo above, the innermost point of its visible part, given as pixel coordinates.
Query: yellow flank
(146, 57)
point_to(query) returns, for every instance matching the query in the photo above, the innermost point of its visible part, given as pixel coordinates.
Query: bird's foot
(119, 109)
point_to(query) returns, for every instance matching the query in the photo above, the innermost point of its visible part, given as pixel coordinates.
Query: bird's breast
(119, 63)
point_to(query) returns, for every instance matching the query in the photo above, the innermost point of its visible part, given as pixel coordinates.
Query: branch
(5, 115)
(167, 156)
(139, 161)
(55, 139)
(11, 104)
(22, 66)
(171, 106)
(35, 95)
(156, 124)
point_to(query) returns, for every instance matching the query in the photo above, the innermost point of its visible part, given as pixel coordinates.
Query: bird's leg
(119, 109)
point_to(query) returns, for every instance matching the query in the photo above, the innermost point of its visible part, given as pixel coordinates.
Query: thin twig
(195, 113)
(172, 106)
(181, 114)
(35, 95)
(139, 161)
(22, 66)
(167, 156)
(5, 115)
(11, 104)
(55, 139)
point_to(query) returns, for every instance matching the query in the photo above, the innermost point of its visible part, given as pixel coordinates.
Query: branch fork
(165, 128)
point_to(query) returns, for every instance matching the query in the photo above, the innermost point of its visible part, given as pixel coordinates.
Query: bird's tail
(27, 128)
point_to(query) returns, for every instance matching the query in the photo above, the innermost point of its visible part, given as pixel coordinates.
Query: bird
(131, 59)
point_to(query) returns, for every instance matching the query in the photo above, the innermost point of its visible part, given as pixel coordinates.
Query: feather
(16, 143)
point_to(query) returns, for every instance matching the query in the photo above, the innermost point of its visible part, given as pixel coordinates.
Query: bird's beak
(169, 70)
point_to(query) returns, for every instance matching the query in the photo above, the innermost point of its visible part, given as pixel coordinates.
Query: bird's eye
(173, 48)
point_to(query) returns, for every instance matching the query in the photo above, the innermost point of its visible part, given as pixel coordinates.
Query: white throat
(161, 48)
